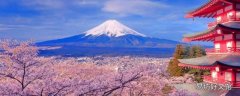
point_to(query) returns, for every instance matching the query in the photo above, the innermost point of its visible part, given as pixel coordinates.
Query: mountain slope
(110, 38)
(111, 33)
(106, 41)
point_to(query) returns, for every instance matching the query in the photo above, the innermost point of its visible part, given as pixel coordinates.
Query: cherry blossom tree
(23, 72)
(182, 93)
(20, 65)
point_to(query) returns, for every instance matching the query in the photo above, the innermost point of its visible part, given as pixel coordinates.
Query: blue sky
(41, 20)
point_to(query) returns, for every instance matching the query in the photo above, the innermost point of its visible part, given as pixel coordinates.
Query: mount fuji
(110, 35)
(112, 28)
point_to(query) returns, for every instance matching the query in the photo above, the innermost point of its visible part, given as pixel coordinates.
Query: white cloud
(133, 7)
(89, 2)
(59, 4)
(44, 4)
(22, 26)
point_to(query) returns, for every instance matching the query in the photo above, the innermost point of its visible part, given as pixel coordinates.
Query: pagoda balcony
(209, 79)
(221, 51)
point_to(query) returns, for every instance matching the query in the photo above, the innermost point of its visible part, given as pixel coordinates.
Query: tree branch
(135, 77)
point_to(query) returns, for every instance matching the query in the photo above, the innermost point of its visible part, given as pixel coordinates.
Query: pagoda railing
(209, 79)
(218, 50)
(211, 24)
(237, 84)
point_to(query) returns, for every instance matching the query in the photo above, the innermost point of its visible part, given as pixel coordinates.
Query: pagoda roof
(210, 8)
(200, 33)
(232, 60)
(229, 26)
(232, 25)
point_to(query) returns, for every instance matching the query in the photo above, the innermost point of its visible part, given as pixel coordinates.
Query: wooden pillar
(235, 10)
(234, 42)
(233, 76)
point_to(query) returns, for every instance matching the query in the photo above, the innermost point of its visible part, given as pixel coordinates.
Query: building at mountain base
(223, 60)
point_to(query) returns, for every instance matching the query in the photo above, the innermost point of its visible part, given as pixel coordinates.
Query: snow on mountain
(112, 28)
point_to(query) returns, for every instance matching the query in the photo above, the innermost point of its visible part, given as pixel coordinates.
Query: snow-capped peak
(112, 28)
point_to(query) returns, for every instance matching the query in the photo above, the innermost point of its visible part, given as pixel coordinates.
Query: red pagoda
(223, 60)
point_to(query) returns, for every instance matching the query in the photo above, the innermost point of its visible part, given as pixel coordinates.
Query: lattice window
(228, 76)
(228, 8)
(228, 37)
(238, 6)
(238, 14)
(238, 44)
(237, 36)
(214, 74)
(219, 19)
(217, 46)
(230, 15)
(219, 38)
(238, 76)
(220, 11)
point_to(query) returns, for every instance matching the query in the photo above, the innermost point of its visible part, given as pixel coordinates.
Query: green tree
(191, 52)
(198, 73)
(173, 68)
(179, 52)
(182, 52)
(196, 51)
